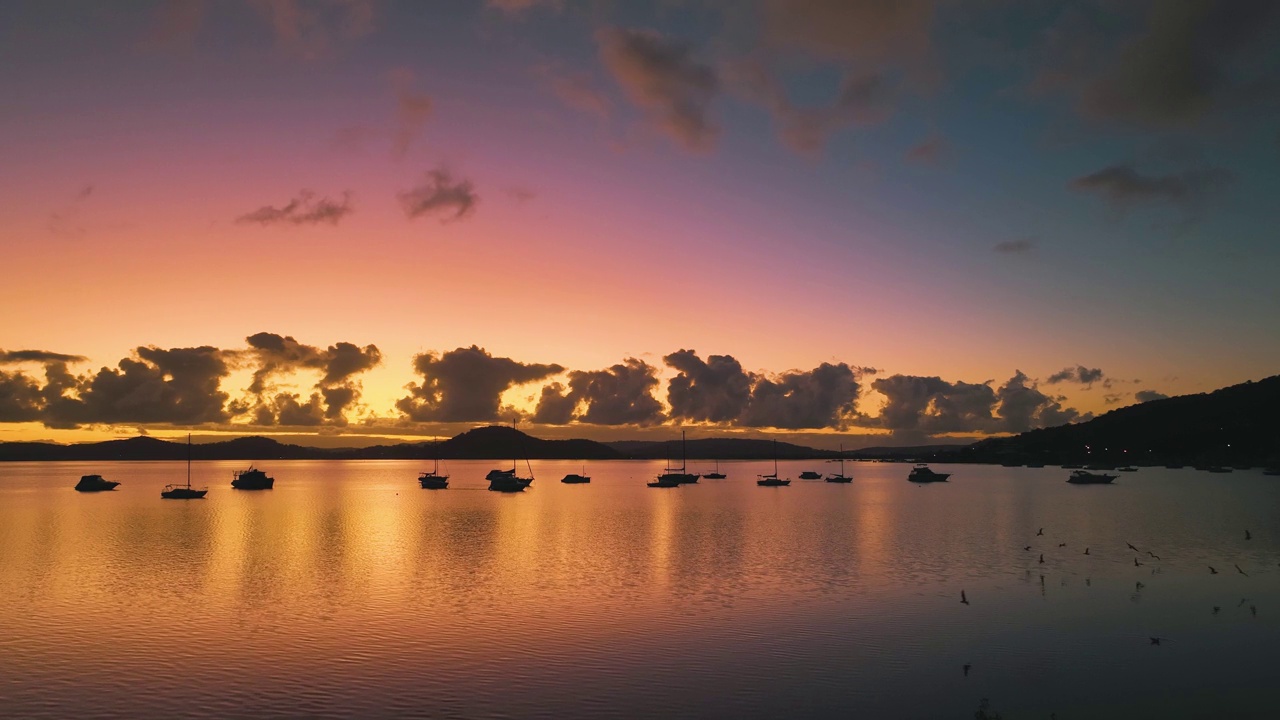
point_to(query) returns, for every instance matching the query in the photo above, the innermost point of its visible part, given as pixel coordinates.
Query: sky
(850, 223)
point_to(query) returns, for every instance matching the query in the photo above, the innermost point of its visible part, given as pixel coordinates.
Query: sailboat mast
(188, 461)
(682, 452)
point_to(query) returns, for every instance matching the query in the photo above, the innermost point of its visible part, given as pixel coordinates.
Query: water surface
(348, 591)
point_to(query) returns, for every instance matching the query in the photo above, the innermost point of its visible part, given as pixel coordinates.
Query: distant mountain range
(1238, 425)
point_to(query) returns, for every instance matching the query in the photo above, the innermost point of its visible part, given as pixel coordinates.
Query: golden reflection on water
(349, 585)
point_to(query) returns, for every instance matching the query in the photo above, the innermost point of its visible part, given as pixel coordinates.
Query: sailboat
(575, 478)
(773, 480)
(181, 492)
(433, 480)
(676, 476)
(841, 478)
(507, 480)
(717, 475)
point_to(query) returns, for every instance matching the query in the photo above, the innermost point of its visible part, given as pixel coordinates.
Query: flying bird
(1062, 544)
(1131, 547)
(966, 669)
(1040, 532)
(1247, 536)
(1212, 571)
(1041, 557)
(1216, 609)
(1086, 551)
(1153, 555)
(1027, 547)
(1253, 609)
(963, 600)
(1138, 586)
(1136, 563)
(1242, 602)
(1156, 640)
(1241, 571)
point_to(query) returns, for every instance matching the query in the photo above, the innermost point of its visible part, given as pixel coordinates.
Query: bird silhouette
(1136, 563)
(1040, 532)
(1086, 551)
(963, 600)
(1253, 609)
(1212, 571)
(1062, 544)
(1216, 609)
(1138, 586)
(1247, 536)
(1027, 547)
(1157, 640)
(1131, 547)
(1242, 602)
(966, 669)
(1153, 555)
(1241, 571)
(1041, 557)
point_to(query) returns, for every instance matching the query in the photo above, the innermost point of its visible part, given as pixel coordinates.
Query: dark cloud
(717, 390)
(178, 386)
(440, 194)
(853, 32)
(819, 398)
(304, 209)
(618, 395)
(275, 355)
(1149, 395)
(862, 99)
(413, 109)
(933, 150)
(1124, 187)
(465, 385)
(1023, 407)
(579, 92)
(663, 78)
(1078, 374)
(20, 397)
(1112, 398)
(922, 406)
(8, 357)
(1192, 56)
(1015, 247)
(556, 405)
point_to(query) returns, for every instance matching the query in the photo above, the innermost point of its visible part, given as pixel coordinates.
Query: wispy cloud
(440, 194)
(305, 209)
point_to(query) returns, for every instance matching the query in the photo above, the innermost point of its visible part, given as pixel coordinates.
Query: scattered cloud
(1124, 187)
(1149, 395)
(1078, 374)
(1021, 246)
(716, 390)
(933, 150)
(440, 194)
(304, 209)
(465, 385)
(274, 356)
(413, 109)
(663, 78)
(11, 357)
(853, 32)
(618, 395)
(578, 91)
(819, 398)
(1023, 407)
(310, 29)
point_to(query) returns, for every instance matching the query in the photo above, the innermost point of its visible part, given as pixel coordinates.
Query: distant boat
(717, 475)
(1127, 468)
(507, 480)
(1174, 467)
(1271, 471)
(922, 474)
(773, 480)
(575, 478)
(95, 483)
(810, 475)
(1074, 466)
(180, 492)
(677, 475)
(1084, 477)
(251, 479)
(1035, 465)
(841, 478)
(1217, 469)
(433, 480)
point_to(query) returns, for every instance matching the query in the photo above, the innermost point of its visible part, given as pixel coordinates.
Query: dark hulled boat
(95, 483)
(184, 492)
(677, 475)
(575, 478)
(507, 480)
(772, 480)
(1127, 468)
(433, 480)
(922, 474)
(716, 475)
(251, 479)
(841, 478)
(810, 475)
(1084, 477)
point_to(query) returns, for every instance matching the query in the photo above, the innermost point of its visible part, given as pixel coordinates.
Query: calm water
(348, 591)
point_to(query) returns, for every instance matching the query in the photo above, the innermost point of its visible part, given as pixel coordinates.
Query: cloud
(413, 109)
(556, 405)
(177, 385)
(662, 77)
(858, 32)
(863, 99)
(1023, 407)
(1014, 247)
(717, 390)
(930, 151)
(465, 385)
(1149, 395)
(20, 397)
(618, 395)
(276, 355)
(1191, 57)
(818, 398)
(9, 357)
(440, 194)
(304, 209)
(1078, 374)
(1124, 187)
(578, 91)
(309, 29)
(921, 406)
